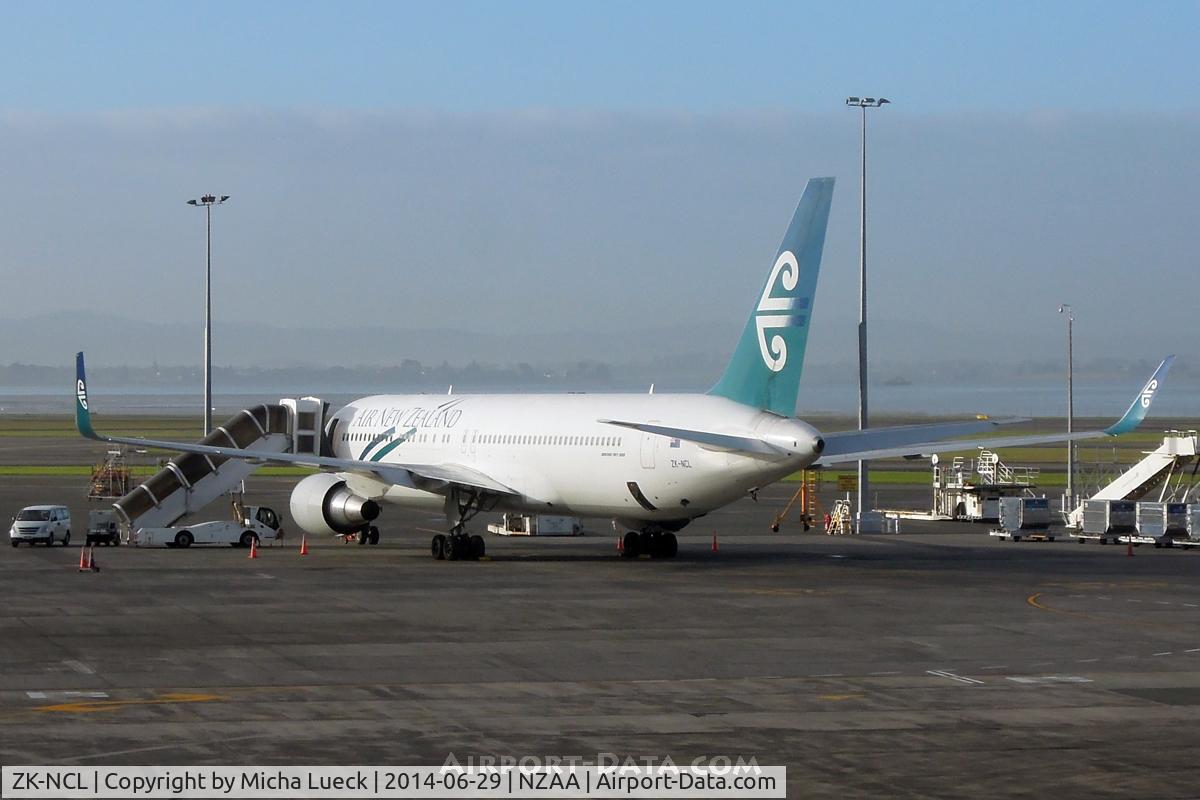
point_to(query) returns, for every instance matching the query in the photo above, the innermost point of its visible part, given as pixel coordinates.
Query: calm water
(1176, 399)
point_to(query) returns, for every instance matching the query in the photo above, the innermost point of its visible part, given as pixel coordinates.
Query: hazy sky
(519, 168)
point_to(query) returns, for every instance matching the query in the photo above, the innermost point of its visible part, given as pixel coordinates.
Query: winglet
(83, 417)
(1141, 404)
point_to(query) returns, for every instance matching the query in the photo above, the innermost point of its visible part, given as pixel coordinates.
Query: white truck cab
(250, 524)
(45, 524)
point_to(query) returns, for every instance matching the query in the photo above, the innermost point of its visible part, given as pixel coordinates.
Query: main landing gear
(368, 535)
(458, 545)
(654, 543)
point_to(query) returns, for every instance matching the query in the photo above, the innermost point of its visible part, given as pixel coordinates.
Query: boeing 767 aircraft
(650, 462)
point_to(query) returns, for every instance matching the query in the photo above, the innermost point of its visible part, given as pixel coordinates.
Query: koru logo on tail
(81, 394)
(779, 312)
(1148, 392)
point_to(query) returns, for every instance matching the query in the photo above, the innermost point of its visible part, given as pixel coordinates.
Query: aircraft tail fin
(83, 416)
(766, 365)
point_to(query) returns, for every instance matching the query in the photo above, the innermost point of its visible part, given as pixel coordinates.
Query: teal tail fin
(765, 369)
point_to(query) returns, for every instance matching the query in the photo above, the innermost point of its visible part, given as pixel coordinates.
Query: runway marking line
(784, 592)
(952, 676)
(838, 698)
(1035, 601)
(1045, 679)
(45, 695)
(93, 706)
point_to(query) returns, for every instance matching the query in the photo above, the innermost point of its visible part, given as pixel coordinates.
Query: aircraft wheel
(363, 536)
(451, 550)
(373, 535)
(437, 547)
(478, 547)
(631, 545)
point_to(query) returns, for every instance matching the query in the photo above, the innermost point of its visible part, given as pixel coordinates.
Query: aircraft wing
(883, 442)
(431, 477)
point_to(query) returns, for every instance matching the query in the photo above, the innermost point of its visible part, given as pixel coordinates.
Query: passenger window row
(504, 438)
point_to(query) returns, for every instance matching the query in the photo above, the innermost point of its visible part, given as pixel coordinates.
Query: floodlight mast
(207, 202)
(1066, 309)
(863, 103)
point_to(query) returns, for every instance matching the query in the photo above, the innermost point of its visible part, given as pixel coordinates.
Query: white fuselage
(560, 459)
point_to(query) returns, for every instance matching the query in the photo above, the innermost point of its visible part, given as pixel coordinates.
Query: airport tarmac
(934, 663)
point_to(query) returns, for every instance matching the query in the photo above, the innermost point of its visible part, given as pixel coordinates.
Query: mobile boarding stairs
(191, 481)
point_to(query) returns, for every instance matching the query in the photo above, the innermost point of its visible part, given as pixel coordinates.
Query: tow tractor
(249, 524)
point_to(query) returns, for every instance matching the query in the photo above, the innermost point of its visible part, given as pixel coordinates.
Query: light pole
(208, 201)
(1066, 309)
(863, 103)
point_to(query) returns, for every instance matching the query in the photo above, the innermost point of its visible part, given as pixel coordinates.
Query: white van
(45, 524)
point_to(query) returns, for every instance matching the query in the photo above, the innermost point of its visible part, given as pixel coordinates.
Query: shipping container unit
(1161, 524)
(1193, 525)
(1024, 518)
(1108, 520)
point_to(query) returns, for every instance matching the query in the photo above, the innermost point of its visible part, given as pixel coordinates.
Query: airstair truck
(250, 524)
(151, 513)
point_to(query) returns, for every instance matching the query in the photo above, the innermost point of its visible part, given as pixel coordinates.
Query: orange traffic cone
(85, 559)
(253, 547)
(715, 547)
(304, 545)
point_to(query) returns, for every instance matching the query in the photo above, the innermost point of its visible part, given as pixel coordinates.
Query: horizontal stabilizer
(853, 442)
(721, 441)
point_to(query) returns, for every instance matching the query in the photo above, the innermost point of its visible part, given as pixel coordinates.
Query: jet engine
(321, 504)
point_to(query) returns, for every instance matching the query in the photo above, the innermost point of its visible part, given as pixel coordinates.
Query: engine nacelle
(321, 504)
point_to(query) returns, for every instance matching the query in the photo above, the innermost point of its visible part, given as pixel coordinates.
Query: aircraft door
(648, 445)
